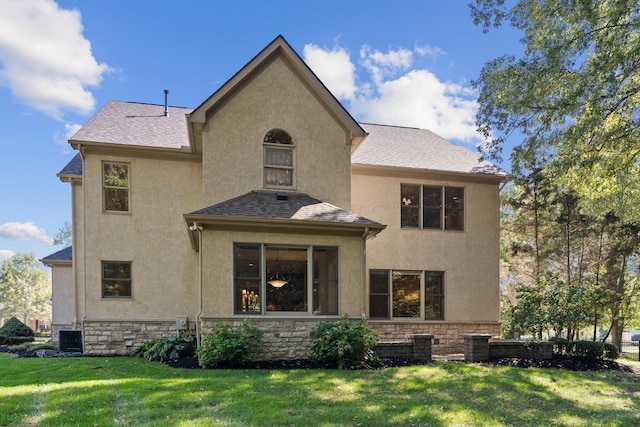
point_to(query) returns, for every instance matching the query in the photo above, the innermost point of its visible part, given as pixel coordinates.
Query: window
(116, 279)
(278, 159)
(441, 207)
(115, 186)
(396, 294)
(272, 279)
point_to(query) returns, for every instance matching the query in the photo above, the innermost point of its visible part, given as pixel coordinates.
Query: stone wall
(284, 338)
(480, 347)
(418, 347)
(121, 337)
(448, 338)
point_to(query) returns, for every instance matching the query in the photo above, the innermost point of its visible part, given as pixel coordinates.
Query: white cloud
(46, 61)
(24, 231)
(393, 91)
(6, 254)
(426, 50)
(334, 68)
(62, 138)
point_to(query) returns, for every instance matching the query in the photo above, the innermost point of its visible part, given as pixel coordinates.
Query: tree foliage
(573, 97)
(64, 236)
(25, 289)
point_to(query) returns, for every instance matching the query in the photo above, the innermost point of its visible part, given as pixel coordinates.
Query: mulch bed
(557, 362)
(192, 363)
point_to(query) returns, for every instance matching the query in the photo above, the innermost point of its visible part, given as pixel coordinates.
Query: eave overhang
(431, 174)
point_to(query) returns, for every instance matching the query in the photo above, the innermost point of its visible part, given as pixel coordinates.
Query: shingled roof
(63, 256)
(283, 206)
(136, 124)
(73, 168)
(414, 148)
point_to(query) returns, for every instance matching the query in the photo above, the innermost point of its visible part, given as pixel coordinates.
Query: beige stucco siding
(153, 236)
(62, 296)
(275, 98)
(218, 267)
(469, 258)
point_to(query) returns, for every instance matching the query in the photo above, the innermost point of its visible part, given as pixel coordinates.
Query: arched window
(279, 157)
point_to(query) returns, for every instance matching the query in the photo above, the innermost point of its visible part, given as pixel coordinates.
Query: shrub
(226, 347)
(611, 351)
(344, 344)
(182, 345)
(15, 332)
(589, 350)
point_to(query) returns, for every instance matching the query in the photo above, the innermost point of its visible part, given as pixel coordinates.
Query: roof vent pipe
(166, 107)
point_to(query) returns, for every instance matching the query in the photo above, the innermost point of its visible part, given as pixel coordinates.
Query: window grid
(442, 207)
(406, 294)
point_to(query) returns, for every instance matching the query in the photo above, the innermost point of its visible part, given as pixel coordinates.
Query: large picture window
(115, 187)
(116, 279)
(397, 294)
(279, 158)
(271, 279)
(442, 208)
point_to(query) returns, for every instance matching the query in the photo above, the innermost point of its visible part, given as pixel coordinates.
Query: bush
(15, 332)
(226, 347)
(611, 351)
(182, 345)
(589, 350)
(344, 344)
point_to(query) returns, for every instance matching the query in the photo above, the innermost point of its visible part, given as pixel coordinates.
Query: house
(269, 201)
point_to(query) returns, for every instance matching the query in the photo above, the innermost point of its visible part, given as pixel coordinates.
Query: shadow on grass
(128, 391)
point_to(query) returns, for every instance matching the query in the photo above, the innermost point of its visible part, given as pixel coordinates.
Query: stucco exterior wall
(217, 252)
(152, 235)
(275, 98)
(63, 299)
(469, 258)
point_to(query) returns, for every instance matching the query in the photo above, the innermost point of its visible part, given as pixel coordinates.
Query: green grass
(124, 391)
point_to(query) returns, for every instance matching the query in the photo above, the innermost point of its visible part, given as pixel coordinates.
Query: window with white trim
(279, 159)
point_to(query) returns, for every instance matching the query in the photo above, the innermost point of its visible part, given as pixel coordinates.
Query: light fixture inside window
(277, 281)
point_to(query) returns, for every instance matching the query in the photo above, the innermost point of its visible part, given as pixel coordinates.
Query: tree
(25, 289)
(574, 96)
(64, 236)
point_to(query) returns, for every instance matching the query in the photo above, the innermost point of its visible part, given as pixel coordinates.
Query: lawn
(122, 391)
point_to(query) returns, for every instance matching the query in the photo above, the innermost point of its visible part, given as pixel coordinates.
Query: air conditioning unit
(70, 340)
(182, 323)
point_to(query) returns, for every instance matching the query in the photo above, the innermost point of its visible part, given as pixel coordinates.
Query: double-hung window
(398, 294)
(116, 279)
(115, 187)
(279, 159)
(431, 207)
(272, 279)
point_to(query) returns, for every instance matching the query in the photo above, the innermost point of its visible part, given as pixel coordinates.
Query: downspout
(198, 229)
(363, 309)
(84, 249)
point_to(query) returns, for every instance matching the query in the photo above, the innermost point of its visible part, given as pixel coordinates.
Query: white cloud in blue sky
(47, 64)
(24, 231)
(387, 87)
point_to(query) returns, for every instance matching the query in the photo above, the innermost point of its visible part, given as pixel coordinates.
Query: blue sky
(407, 63)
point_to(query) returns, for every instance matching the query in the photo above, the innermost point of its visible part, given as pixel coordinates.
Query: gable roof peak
(278, 47)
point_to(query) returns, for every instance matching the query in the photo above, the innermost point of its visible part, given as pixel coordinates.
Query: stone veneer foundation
(284, 338)
(448, 338)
